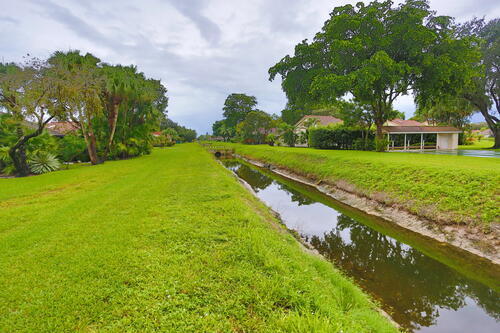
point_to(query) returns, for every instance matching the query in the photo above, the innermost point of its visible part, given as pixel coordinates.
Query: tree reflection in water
(410, 286)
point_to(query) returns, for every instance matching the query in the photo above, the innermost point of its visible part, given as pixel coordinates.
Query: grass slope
(454, 189)
(167, 242)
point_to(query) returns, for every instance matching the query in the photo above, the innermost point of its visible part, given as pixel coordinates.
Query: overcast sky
(202, 50)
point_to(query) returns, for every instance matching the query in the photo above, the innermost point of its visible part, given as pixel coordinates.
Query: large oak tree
(376, 53)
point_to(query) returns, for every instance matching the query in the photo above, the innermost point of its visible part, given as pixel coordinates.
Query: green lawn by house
(450, 189)
(166, 242)
(485, 143)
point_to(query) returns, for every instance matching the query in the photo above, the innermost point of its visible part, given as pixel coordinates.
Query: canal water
(457, 152)
(426, 286)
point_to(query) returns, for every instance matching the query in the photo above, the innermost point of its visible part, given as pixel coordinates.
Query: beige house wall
(447, 141)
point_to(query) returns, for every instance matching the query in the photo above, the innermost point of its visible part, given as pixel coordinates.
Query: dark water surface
(425, 285)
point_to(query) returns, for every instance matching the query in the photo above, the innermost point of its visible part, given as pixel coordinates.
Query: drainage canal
(425, 285)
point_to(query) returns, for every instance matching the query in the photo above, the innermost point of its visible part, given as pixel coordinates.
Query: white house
(446, 136)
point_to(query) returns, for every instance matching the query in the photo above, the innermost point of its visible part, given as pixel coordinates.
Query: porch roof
(419, 129)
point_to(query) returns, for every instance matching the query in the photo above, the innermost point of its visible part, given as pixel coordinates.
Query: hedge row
(339, 138)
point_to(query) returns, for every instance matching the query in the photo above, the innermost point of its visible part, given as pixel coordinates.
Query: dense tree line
(178, 132)
(115, 108)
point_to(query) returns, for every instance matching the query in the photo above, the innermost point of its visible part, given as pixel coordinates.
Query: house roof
(420, 129)
(402, 122)
(62, 127)
(323, 120)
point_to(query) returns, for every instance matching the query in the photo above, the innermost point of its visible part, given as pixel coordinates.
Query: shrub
(271, 139)
(73, 148)
(381, 144)
(163, 140)
(6, 165)
(131, 148)
(363, 144)
(288, 135)
(334, 137)
(43, 162)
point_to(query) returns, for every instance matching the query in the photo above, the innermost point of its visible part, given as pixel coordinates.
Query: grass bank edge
(443, 189)
(255, 262)
(475, 268)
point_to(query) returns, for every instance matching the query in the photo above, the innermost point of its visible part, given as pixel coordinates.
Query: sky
(202, 50)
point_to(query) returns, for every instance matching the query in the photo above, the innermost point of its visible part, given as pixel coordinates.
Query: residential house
(305, 122)
(446, 136)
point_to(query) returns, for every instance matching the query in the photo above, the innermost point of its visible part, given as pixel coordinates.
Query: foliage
(6, 165)
(484, 89)
(28, 92)
(363, 144)
(442, 188)
(179, 133)
(167, 138)
(80, 83)
(220, 128)
(334, 137)
(42, 162)
(452, 111)
(291, 115)
(381, 144)
(288, 134)
(376, 53)
(237, 107)
(271, 139)
(238, 255)
(255, 127)
(73, 148)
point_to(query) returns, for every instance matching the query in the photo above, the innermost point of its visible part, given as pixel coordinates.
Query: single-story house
(446, 136)
(304, 123)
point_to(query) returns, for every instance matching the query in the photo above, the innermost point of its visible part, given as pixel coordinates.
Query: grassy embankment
(167, 242)
(448, 189)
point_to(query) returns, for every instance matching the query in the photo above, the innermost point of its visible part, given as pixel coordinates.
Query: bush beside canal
(444, 189)
(164, 242)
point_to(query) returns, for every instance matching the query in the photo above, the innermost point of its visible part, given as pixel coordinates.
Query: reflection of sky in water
(313, 219)
(422, 292)
(453, 321)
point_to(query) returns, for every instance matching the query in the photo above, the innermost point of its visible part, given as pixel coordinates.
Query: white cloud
(202, 50)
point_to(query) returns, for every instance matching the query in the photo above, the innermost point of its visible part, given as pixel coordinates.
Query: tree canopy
(376, 53)
(483, 91)
(236, 107)
(114, 107)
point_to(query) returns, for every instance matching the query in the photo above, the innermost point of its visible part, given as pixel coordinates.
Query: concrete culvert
(218, 154)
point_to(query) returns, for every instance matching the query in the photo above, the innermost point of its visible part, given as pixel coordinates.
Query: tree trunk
(91, 142)
(112, 120)
(496, 134)
(379, 125)
(18, 151)
(18, 154)
(493, 125)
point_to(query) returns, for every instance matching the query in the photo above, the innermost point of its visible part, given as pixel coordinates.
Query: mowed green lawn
(484, 144)
(446, 189)
(166, 242)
